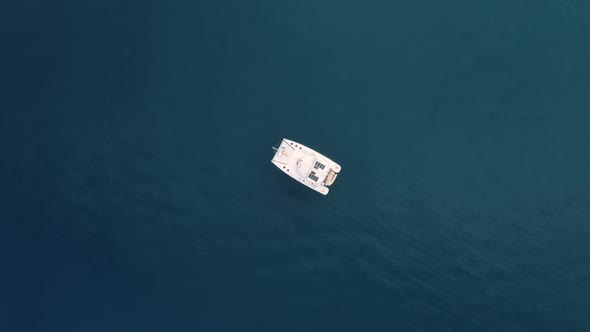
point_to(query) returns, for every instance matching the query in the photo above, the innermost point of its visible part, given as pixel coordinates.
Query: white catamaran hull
(306, 165)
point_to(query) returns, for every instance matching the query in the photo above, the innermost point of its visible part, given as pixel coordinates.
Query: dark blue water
(137, 193)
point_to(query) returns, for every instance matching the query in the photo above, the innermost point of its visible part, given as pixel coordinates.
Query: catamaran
(305, 165)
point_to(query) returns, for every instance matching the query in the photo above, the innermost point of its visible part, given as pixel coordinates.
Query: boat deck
(305, 165)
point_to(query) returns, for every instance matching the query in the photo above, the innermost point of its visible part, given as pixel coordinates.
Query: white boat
(305, 165)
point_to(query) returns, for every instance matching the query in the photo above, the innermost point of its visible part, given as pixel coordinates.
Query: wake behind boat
(306, 165)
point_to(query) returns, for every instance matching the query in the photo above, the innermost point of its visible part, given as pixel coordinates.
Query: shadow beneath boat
(300, 193)
(286, 189)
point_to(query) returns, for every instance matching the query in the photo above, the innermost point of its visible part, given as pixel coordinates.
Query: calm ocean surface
(137, 193)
